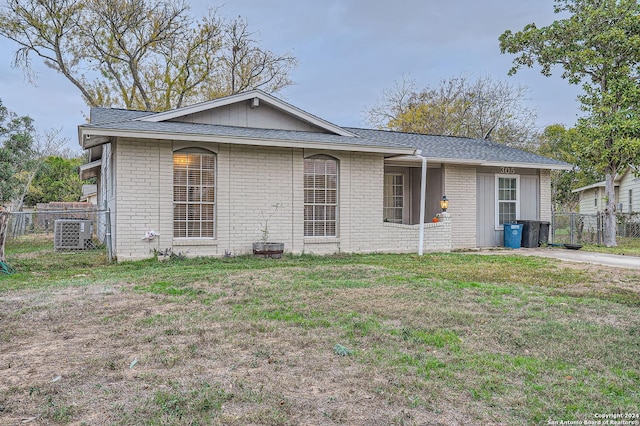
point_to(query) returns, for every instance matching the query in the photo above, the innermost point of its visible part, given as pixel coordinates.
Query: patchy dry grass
(626, 246)
(442, 339)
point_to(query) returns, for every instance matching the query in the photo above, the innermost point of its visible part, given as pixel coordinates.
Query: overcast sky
(348, 52)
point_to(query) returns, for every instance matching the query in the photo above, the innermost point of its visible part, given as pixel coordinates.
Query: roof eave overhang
(88, 138)
(90, 170)
(596, 185)
(543, 166)
(91, 137)
(473, 162)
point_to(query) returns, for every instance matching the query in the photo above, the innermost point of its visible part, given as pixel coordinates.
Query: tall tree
(57, 180)
(141, 54)
(22, 154)
(16, 148)
(43, 146)
(17, 136)
(597, 45)
(484, 109)
(560, 143)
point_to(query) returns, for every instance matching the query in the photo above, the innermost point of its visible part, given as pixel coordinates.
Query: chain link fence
(69, 230)
(574, 228)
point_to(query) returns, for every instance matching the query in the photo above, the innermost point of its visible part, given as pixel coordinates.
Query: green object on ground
(338, 349)
(6, 269)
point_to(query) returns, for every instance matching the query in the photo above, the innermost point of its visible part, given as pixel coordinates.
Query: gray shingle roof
(113, 115)
(434, 147)
(126, 120)
(451, 147)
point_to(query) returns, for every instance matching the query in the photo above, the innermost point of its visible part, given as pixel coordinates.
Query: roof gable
(627, 173)
(254, 109)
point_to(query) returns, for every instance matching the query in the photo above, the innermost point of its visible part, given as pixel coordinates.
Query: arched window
(320, 196)
(194, 194)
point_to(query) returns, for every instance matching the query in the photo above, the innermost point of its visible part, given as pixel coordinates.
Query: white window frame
(497, 199)
(187, 202)
(387, 197)
(313, 205)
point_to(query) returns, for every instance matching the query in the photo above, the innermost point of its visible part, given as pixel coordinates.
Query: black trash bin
(530, 233)
(544, 233)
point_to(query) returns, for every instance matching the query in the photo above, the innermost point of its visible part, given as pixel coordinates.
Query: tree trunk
(4, 221)
(18, 203)
(609, 210)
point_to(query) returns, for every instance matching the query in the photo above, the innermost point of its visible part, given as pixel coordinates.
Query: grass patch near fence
(365, 339)
(626, 246)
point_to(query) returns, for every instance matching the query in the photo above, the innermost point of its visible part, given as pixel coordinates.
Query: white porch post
(423, 194)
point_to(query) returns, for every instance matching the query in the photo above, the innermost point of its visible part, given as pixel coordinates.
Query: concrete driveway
(614, 260)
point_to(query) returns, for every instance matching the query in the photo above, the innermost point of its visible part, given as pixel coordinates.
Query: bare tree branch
(144, 54)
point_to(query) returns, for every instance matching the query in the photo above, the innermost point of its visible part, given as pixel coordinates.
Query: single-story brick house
(206, 177)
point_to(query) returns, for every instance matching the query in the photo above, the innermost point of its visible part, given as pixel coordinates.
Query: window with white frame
(393, 197)
(320, 196)
(194, 194)
(507, 199)
(631, 201)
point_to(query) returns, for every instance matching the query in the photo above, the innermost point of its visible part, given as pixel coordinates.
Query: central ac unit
(72, 234)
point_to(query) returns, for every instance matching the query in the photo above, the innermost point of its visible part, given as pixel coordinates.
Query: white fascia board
(89, 138)
(245, 96)
(543, 166)
(100, 134)
(592, 186)
(414, 159)
(93, 141)
(472, 162)
(616, 182)
(90, 170)
(513, 164)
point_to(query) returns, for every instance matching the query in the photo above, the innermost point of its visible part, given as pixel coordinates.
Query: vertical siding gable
(529, 205)
(629, 182)
(241, 114)
(486, 235)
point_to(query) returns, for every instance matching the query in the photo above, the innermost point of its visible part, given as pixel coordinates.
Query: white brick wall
(363, 206)
(257, 179)
(405, 238)
(250, 180)
(460, 188)
(545, 195)
(144, 197)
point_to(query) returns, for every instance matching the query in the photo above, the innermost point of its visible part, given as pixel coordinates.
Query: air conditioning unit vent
(72, 234)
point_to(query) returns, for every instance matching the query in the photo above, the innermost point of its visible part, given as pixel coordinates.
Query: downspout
(423, 194)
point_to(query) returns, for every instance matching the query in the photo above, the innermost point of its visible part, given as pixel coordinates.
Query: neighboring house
(627, 192)
(90, 194)
(205, 179)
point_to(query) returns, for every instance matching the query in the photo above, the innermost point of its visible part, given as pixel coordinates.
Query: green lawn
(626, 246)
(364, 339)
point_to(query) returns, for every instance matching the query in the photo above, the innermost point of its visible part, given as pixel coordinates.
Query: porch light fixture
(444, 203)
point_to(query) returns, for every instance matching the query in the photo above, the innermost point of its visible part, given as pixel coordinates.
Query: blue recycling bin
(512, 235)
